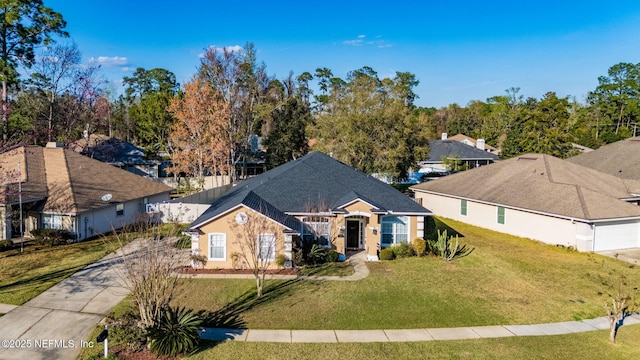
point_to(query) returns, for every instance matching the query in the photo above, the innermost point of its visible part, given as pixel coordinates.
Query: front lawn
(24, 276)
(506, 280)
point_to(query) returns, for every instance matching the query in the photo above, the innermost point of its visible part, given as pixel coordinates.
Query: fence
(186, 209)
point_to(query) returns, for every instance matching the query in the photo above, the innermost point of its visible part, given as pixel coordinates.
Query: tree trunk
(5, 112)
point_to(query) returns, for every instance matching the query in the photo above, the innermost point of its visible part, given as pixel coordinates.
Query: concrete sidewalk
(406, 335)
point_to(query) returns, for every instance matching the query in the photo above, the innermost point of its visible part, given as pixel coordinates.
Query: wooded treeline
(208, 124)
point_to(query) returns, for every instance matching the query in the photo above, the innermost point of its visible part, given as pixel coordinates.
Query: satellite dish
(106, 197)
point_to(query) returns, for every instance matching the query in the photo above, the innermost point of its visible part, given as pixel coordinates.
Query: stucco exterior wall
(539, 227)
(225, 225)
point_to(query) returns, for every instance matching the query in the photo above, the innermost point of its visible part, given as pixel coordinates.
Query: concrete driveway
(629, 255)
(55, 324)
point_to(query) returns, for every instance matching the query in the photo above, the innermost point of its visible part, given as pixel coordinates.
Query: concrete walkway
(406, 335)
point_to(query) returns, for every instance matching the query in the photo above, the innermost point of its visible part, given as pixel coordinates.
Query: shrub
(198, 259)
(51, 237)
(281, 260)
(6, 245)
(175, 332)
(387, 254)
(317, 255)
(419, 246)
(402, 250)
(332, 256)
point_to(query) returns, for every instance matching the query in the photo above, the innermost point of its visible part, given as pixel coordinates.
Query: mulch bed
(190, 270)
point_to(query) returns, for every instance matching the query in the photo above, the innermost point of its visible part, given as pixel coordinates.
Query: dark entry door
(353, 234)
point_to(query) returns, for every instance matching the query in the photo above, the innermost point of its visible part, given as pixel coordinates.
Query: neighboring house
(543, 198)
(480, 143)
(620, 159)
(65, 190)
(443, 152)
(119, 154)
(313, 198)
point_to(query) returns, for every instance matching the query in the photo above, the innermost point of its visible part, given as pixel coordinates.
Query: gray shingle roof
(620, 159)
(545, 184)
(450, 148)
(314, 182)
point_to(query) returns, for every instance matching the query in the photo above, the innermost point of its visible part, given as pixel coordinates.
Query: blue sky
(459, 51)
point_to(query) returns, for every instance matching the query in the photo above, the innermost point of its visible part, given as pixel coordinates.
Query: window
(500, 215)
(119, 209)
(267, 247)
(395, 230)
(317, 228)
(50, 221)
(218, 247)
(463, 207)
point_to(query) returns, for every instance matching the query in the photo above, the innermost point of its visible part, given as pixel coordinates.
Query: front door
(353, 234)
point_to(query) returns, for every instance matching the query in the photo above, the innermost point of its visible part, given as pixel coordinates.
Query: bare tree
(257, 237)
(622, 295)
(147, 260)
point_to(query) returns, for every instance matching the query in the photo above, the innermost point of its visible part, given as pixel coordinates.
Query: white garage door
(617, 236)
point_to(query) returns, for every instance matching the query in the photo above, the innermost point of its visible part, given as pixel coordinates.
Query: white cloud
(109, 61)
(360, 41)
(232, 48)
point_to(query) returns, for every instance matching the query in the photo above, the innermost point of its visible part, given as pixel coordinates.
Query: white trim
(272, 246)
(224, 238)
(357, 213)
(362, 231)
(408, 225)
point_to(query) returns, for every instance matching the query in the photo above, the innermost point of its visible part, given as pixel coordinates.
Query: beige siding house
(314, 199)
(543, 198)
(65, 190)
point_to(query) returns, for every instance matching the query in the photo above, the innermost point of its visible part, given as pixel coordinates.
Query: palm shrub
(175, 332)
(446, 249)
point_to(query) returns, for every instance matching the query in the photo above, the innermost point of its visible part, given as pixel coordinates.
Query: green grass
(506, 280)
(580, 346)
(24, 276)
(328, 269)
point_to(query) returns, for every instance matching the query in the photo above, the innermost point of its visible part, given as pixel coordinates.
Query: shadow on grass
(441, 225)
(230, 316)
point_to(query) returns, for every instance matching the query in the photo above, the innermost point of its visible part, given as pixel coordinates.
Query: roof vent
(444, 136)
(480, 144)
(527, 158)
